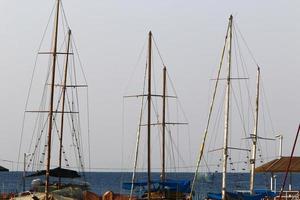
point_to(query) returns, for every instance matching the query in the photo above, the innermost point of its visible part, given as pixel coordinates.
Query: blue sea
(101, 182)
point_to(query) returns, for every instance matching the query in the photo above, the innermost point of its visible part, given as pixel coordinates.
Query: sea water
(101, 182)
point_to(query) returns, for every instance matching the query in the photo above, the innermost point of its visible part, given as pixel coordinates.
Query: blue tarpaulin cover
(171, 185)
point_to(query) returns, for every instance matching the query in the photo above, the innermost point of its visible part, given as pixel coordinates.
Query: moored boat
(163, 187)
(62, 119)
(229, 98)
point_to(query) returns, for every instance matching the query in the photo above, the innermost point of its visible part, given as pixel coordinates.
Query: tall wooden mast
(163, 175)
(254, 138)
(149, 115)
(64, 86)
(54, 52)
(227, 104)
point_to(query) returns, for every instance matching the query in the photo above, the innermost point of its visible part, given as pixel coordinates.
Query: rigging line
(177, 130)
(260, 150)
(206, 164)
(210, 112)
(40, 124)
(38, 127)
(242, 59)
(41, 159)
(172, 150)
(65, 157)
(122, 141)
(70, 98)
(159, 54)
(43, 101)
(64, 14)
(88, 124)
(138, 133)
(167, 116)
(178, 100)
(168, 145)
(240, 91)
(80, 135)
(155, 89)
(264, 122)
(63, 27)
(159, 133)
(38, 141)
(239, 111)
(244, 69)
(174, 146)
(179, 105)
(155, 109)
(78, 57)
(216, 126)
(135, 66)
(30, 84)
(80, 151)
(250, 107)
(72, 121)
(58, 135)
(245, 74)
(190, 145)
(155, 168)
(54, 165)
(136, 149)
(233, 162)
(268, 107)
(250, 52)
(159, 128)
(38, 120)
(78, 143)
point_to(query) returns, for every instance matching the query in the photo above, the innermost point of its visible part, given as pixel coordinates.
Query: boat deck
(289, 195)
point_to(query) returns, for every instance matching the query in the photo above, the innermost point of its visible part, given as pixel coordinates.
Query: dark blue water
(103, 181)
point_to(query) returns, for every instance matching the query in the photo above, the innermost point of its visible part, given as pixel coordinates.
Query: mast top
(231, 17)
(150, 33)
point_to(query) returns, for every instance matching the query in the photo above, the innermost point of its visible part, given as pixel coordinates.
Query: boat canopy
(280, 165)
(3, 169)
(156, 185)
(57, 172)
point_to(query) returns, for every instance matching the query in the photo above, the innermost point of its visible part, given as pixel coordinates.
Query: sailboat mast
(63, 102)
(149, 115)
(54, 52)
(227, 104)
(163, 175)
(254, 139)
(209, 115)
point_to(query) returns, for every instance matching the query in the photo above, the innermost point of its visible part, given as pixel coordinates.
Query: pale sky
(110, 36)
